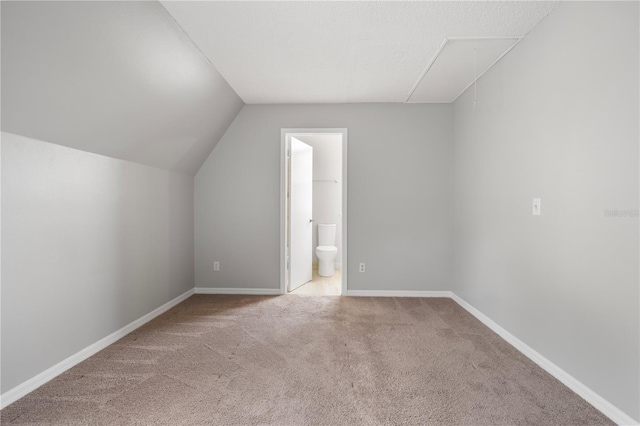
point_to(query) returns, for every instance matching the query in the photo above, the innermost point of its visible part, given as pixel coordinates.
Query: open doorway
(313, 218)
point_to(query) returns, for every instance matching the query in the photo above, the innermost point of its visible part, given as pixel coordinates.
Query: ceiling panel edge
(498, 59)
(441, 49)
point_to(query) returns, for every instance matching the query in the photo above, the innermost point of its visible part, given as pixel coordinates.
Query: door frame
(285, 135)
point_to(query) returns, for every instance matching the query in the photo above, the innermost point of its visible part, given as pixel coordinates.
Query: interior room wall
(117, 78)
(327, 194)
(89, 245)
(399, 188)
(557, 119)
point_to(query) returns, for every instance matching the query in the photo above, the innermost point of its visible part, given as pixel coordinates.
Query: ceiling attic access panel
(457, 64)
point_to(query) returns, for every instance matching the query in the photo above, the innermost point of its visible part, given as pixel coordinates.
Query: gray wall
(89, 244)
(115, 78)
(399, 188)
(557, 118)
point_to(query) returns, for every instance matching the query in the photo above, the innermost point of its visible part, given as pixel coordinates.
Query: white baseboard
(239, 291)
(32, 384)
(608, 409)
(398, 293)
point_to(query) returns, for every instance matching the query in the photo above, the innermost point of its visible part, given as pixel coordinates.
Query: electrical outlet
(362, 267)
(216, 266)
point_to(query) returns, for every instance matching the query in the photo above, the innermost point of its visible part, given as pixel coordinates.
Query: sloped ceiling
(115, 78)
(326, 51)
(158, 83)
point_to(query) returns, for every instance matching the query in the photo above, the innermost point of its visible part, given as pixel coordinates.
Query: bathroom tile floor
(325, 286)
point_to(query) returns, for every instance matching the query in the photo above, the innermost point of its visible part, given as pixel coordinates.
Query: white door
(300, 217)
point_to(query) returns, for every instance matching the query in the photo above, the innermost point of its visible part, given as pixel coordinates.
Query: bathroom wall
(558, 119)
(89, 245)
(399, 189)
(327, 194)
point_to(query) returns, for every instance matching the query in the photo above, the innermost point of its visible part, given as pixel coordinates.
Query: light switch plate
(536, 207)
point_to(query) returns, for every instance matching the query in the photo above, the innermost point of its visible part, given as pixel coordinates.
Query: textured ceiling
(315, 52)
(115, 78)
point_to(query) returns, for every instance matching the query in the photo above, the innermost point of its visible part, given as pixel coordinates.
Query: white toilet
(326, 250)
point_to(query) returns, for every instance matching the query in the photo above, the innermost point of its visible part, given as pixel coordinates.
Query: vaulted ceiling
(119, 79)
(159, 83)
(326, 51)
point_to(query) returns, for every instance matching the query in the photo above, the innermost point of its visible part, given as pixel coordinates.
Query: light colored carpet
(290, 360)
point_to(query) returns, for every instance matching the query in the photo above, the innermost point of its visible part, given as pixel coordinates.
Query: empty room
(320, 213)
